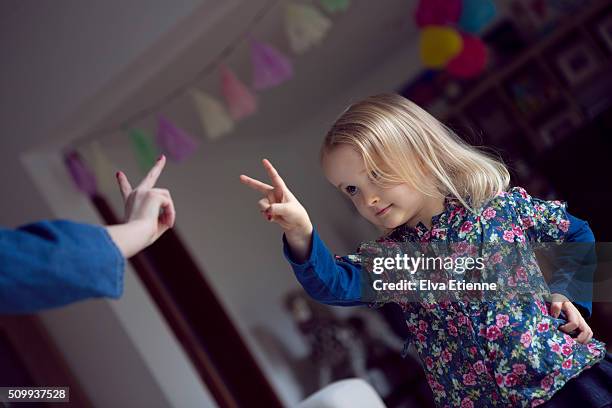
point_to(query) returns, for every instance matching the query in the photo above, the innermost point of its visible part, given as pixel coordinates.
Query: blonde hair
(402, 143)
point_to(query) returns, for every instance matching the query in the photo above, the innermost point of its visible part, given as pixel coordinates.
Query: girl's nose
(372, 200)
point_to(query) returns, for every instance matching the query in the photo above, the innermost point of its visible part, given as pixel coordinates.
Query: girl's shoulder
(518, 200)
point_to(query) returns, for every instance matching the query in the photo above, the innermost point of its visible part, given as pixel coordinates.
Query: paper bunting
(240, 101)
(437, 12)
(144, 148)
(270, 67)
(213, 115)
(83, 179)
(174, 142)
(334, 6)
(102, 168)
(306, 26)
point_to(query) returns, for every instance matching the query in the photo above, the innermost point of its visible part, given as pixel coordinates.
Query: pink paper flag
(240, 101)
(270, 67)
(83, 179)
(175, 142)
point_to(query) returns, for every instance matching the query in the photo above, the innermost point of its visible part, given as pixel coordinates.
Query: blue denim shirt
(53, 263)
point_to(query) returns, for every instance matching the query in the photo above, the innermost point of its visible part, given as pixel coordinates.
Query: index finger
(276, 179)
(151, 177)
(256, 184)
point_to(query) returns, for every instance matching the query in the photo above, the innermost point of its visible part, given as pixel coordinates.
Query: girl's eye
(351, 190)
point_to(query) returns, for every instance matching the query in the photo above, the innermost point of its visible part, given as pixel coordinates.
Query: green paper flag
(145, 149)
(333, 6)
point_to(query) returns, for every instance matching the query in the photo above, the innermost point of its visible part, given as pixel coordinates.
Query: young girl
(414, 178)
(52, 263)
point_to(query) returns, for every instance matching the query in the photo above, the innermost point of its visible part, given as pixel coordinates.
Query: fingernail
(160, 157)
(269, 217)
(117, 174)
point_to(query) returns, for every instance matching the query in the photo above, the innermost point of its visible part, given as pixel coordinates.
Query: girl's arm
(327, 279)
(324, 278)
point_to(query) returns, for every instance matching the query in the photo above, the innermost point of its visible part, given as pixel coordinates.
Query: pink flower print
(422, 325)
(482, 331)
(496, 258)
(493, 333)
(523, 193)
(568, 339)
(537, 402)
(564, 225)
(592, 348)
(474, 350)
(555, 348)
(543, 327)
(567, 364)
(466, 227)
(452, 330)
(566, 349)
(527, 222)
(480, 367)
(526, 339)
(546, 382)
(521, 273)
(501, 320)
(519, 369)
(511, 380)
(429, 362)
(509, 236)
(489, 213)
(499, 379)
(511, 281)
(467, 403)
(469, 379)
(462, 320)
(446, 356)
(421, 338)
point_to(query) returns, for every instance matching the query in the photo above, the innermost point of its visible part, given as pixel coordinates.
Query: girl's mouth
(384, 210)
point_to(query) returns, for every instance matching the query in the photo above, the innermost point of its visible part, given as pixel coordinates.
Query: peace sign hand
(279, 205)
(151, 207)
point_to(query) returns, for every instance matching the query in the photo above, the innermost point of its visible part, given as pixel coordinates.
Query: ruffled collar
(420, 232)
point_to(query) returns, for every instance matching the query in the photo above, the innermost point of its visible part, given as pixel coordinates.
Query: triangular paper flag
(83, 179)
(144, 148)
(306, 26)
(101, 166)
(240, 101)
(213, 115)
(333, 6)
(175, 142)
(270, 67)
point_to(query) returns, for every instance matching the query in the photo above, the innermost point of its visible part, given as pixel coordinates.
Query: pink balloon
(472, 59)
(437, 12)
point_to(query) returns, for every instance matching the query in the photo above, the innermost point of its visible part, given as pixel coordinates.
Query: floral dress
(476, 354)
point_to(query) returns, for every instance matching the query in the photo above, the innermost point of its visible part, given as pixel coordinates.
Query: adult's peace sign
(145, 203)
(279, 205)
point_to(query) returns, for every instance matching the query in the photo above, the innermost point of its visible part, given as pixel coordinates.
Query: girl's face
(386, 207)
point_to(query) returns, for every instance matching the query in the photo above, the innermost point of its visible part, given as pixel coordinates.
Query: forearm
(299, 241)
(131, 237)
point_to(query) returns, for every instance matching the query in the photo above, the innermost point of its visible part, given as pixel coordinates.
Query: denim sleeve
(52, 263)
(327, 279)
(575, 280)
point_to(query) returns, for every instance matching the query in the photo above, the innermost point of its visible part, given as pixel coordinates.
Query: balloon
(472, 59)
(475, 14)
(438, 45)
(437, 12)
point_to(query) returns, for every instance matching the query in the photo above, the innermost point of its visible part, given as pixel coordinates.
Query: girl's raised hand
(279, 205)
